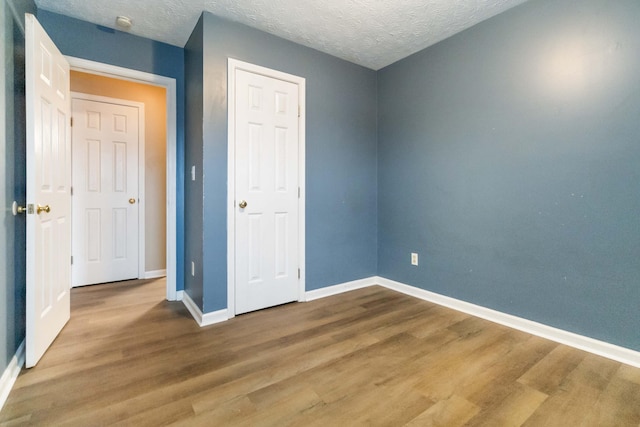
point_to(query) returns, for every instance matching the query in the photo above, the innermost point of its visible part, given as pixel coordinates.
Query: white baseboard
(214, 317)
(591, 345)
(200, 318)
(175, 295)
(340, 288)
(154, 274)
(11, 374)
(601, 348)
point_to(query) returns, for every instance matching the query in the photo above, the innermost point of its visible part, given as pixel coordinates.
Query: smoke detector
(124, 22)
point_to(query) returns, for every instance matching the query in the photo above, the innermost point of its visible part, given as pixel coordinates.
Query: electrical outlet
(414, 258)
(193, 268)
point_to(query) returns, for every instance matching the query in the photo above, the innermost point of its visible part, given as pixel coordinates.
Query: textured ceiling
(372, 33)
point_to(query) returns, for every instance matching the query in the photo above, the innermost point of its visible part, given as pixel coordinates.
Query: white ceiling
(372, 33)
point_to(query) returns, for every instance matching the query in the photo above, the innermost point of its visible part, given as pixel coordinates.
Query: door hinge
(298, 192)
(71, 259)
(299, 109)
(71, 122)
(71, 190)
(298, 273)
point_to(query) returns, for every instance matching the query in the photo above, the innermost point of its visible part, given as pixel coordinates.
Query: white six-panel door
(48, 272)
(105, 191)
(266, 192)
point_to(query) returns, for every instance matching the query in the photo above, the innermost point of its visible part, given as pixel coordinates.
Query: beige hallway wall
(154, 99)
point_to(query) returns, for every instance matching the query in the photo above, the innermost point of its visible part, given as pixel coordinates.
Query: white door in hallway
(105, 141)
(48, 163)
(266, 191)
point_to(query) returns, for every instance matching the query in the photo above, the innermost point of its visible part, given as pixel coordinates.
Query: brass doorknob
(41, 209)
(243, 204)
(132, 201)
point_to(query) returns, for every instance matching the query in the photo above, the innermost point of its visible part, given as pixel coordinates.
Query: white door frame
(141, 167)
(233, 65)
(92, 67)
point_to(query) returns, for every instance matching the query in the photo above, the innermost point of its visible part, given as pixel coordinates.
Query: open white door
(48, 194)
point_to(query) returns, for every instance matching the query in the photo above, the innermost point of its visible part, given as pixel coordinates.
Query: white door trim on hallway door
(113, 71)
(139, 193)
(233, 66)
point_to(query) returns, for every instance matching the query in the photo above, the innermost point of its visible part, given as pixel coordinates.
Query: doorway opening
(87, 74)
(118, 177)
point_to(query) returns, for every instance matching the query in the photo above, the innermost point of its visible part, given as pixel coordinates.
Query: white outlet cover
(414, 258)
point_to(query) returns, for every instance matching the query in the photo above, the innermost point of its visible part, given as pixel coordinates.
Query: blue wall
(194, 216)
(506, 156)
(509, 160)
(13, 177)
(341, 218)
(89, 41)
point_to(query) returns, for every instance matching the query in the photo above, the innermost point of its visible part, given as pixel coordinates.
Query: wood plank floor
(367, 357)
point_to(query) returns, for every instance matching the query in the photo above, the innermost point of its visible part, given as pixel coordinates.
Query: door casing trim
(169, 83)
(232, 66)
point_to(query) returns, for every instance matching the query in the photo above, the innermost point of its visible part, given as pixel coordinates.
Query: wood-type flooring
(370, 357)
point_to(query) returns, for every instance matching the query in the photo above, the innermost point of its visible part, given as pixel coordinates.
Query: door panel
(105, 183)
(48, 191)
(266, 235)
